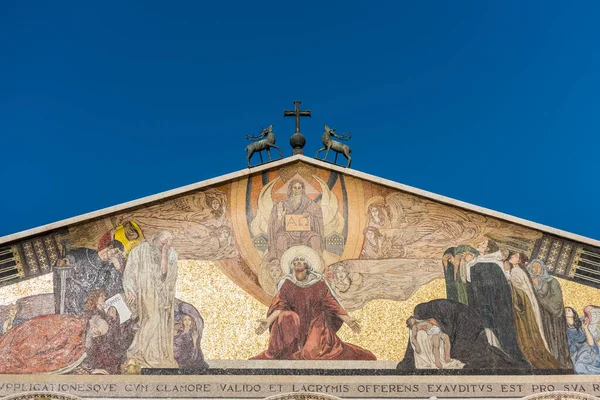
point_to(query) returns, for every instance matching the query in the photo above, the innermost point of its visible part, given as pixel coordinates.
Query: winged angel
(406, 226)
(317, 219)
(199, 223)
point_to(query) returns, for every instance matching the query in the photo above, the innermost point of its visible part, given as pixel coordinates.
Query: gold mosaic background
(230, 314)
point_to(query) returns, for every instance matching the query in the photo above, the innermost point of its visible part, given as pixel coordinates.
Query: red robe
(49, 343)
(306, 328)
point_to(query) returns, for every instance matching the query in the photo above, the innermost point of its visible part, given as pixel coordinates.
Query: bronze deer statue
(338, 147)
(264, 141)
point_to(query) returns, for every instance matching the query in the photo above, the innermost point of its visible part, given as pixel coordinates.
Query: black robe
(88, 272)
(490, 295)
(449, 272)
(467, 337)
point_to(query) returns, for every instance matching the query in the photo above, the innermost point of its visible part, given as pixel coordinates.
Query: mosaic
(299, 264)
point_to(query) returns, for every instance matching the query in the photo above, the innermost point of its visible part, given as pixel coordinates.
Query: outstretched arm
(266, 323)
(351, 322)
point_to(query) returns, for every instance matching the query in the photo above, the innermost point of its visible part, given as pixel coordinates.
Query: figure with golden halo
(376, 244)
(305, 315)
(281, 236)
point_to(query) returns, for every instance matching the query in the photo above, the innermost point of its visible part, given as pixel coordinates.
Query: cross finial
(296, 112)
(297, 140)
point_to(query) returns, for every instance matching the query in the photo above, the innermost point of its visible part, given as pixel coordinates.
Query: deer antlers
(341, 136)
(263, 133)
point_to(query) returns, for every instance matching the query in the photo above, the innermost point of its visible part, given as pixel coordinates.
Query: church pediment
(227, 250)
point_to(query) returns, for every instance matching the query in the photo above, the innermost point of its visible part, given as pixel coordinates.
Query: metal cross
(296, 113)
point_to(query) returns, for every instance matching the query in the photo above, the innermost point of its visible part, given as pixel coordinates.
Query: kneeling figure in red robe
(303, 319)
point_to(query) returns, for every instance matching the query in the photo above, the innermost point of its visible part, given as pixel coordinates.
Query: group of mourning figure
(511, 311)
(142, 325)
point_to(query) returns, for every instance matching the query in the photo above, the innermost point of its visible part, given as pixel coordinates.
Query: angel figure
(376, 244)
(356, 282)
(401, 225)
(343, 280)
(199, 223)
(270, 275)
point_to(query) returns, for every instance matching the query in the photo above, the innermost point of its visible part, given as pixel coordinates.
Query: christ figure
(304, 318)
(282, 237)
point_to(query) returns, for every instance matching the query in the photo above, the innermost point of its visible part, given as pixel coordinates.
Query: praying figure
(304, 318)
(149, 284)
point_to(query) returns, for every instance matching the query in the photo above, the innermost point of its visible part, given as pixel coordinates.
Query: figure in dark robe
(304, 318)
(550, 298)
(460, 275)
(450, 270)
(489, 293)
(467, 335)
(298, 204)
(186, 343)
(107, 352)
(89, 270)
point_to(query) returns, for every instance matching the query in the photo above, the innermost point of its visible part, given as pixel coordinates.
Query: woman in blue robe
(582, 345)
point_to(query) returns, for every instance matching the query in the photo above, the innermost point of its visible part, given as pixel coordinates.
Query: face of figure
(103, 254)
(164, 241)
(63, 262)
(98, 327)
(482, 246)
(300, 265)
(569, 313)
(537, 268)
(341, 274)
(215, 204)
(187, 322)
(570, 316)
(515, 259)
(113, 255)
(375, 213)
(297, 189)
(130, 232)
(274, 270)
(13, 311)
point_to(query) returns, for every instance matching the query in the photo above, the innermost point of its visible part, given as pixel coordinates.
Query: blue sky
(493, 103)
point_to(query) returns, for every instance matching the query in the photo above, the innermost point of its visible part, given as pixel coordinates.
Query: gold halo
(374, 200)
(313, 258)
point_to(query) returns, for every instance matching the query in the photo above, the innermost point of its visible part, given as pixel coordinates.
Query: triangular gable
(221, 252)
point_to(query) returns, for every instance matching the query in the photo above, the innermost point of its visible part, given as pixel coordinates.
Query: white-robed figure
(149, 283)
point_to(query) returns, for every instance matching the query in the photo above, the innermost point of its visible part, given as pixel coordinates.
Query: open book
(118, 302)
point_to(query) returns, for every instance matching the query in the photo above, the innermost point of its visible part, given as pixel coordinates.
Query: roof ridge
(288, 160)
